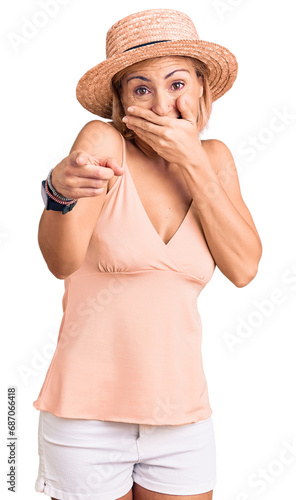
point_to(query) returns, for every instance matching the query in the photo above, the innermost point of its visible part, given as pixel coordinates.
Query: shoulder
(99, 138)
(100, 125)
(224, 166)
(219, 154)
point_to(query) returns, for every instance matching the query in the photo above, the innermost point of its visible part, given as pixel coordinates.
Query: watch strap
(51, 202)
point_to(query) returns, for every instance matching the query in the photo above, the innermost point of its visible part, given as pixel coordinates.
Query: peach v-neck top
(129, 344)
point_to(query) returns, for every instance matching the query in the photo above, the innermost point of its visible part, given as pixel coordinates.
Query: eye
(177, 85)
(141, 91)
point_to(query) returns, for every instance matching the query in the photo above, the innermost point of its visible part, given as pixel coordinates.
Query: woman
(124, 408)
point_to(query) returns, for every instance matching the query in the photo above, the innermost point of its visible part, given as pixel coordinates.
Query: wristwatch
(51, 204)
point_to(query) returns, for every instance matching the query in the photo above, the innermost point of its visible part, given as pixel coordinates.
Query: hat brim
(94, 90)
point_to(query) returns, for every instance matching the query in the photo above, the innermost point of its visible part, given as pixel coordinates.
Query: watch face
(49, 203)
(44, 194)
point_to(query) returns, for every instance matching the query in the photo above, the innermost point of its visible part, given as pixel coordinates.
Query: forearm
(233, 243)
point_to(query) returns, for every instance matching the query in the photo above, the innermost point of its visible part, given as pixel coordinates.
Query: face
(156, 85)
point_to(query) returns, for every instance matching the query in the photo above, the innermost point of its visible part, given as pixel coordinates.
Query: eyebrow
(147, 79)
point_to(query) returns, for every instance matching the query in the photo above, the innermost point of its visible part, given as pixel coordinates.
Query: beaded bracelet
(58, 200)
(55, 193)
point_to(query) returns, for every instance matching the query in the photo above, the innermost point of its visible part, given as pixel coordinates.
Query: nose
(162, 104)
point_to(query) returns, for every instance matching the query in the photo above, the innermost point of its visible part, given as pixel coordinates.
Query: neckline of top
(180, 226)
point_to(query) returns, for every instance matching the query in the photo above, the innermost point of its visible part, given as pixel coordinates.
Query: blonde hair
(205, 102)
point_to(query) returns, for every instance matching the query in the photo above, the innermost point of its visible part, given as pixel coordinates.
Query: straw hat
(147, 34)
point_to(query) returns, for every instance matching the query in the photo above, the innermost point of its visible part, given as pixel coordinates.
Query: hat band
(148, 43)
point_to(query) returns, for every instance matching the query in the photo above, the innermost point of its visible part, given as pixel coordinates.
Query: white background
(252, 383)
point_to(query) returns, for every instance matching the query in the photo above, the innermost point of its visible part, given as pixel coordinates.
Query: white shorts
(99, 460)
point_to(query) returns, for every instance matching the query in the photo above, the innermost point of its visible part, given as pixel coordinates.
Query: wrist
(59, 197)
(199, 160)
(56, 198)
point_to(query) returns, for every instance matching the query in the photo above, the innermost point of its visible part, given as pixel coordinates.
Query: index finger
(148, 115)
(95, 171)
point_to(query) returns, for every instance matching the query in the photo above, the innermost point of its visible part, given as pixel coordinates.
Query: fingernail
(125, 119)
(130, 109)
